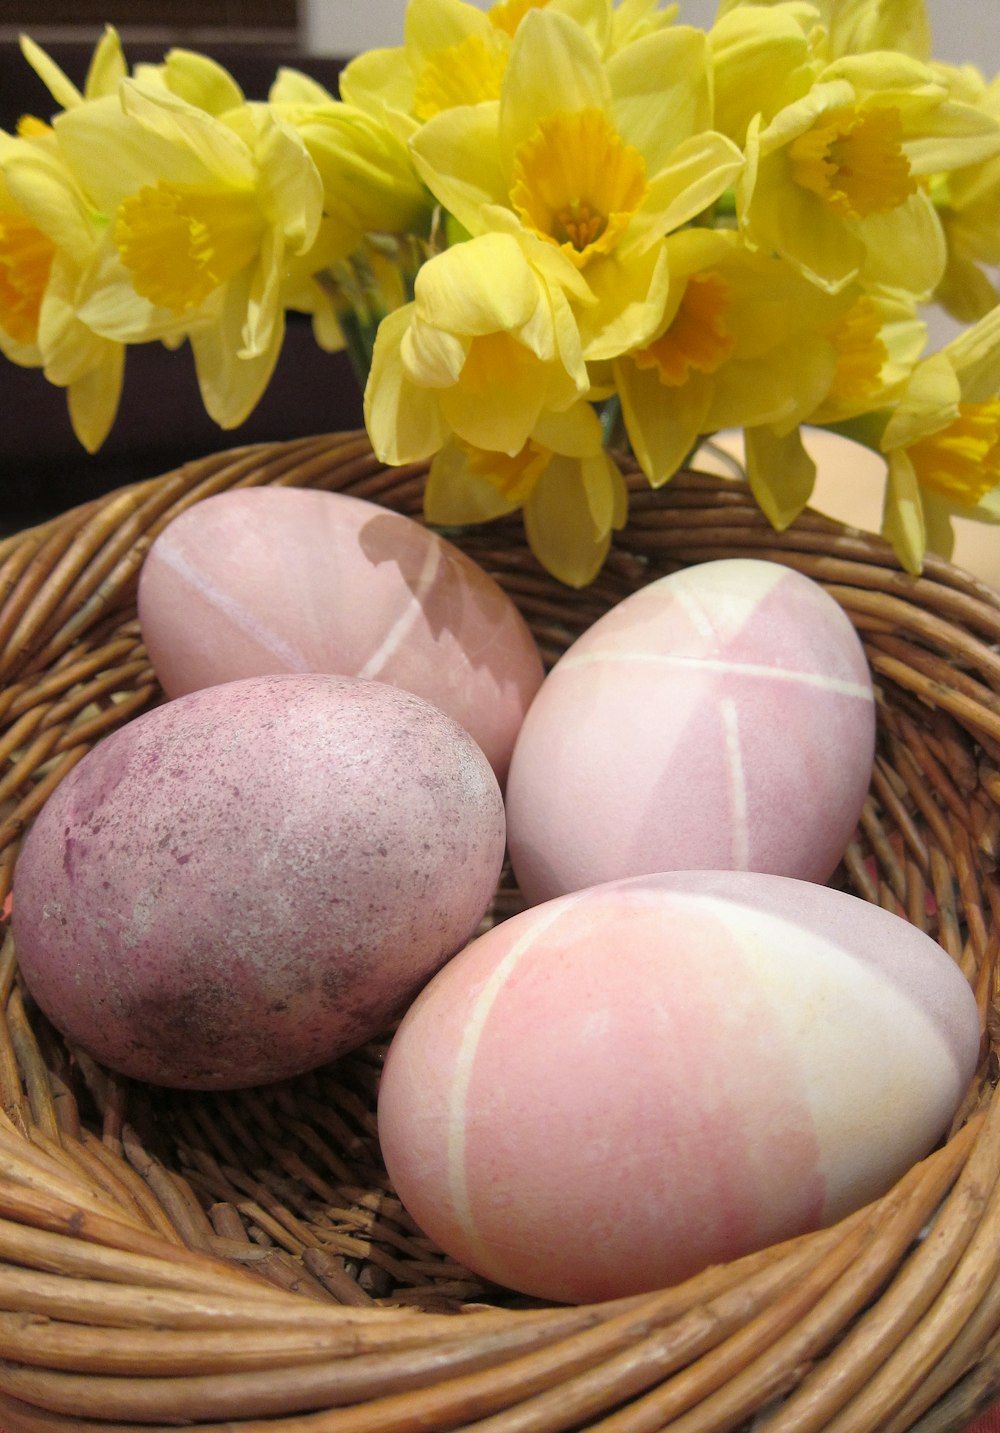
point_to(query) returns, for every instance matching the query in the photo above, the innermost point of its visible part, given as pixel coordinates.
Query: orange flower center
(962, 461)
(507, 15)
(699, 338)
(853, 160)
(577, 184)
(25, 264)
(861, 354)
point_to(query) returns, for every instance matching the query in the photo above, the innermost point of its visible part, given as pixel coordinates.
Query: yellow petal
(432, 357)
(108, 303)
(575, 433)
(404, 422)
(503, 390)
(184, 127)
(88, 133)
(780, 472)
(606, 490)
(663, 424)
(763, 60)
(289, 189)
(107, 66)
(902, 516)
(293, 88)
(905, 248)
(554, 68)
(661, 91)
(479, 287)
(59, 85)
(457, 156)
(455, 495)
(560, 528)
(700, 169)
(94, 397)
(46, 194)
(231, 386)
(201, 82)
(929, 403)
(975, 356)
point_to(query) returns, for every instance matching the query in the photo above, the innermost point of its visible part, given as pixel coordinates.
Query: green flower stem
(360, 308)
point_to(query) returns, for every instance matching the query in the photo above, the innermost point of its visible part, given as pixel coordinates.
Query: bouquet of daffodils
(571, 228)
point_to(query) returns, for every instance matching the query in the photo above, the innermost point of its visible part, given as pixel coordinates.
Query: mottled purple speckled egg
(253, 879)
(608, 1092)
(721, 718)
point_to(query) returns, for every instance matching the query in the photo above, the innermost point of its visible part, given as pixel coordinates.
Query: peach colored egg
(609, 1092)
(249, 880)
(272, 579)
(719, 718)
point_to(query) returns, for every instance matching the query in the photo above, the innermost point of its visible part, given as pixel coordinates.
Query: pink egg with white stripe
(258, 581)
(610, 1091)
(719, 718)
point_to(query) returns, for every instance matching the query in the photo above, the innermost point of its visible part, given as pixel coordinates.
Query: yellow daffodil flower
(942, 445)
(571, 493)
(597, 160)
(202, 217)
(834, 182)
(456, 54)
(452, 55)
(740, 344)
(488, 344)
(48, 241)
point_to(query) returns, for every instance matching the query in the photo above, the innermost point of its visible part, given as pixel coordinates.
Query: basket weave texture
(239, 1261)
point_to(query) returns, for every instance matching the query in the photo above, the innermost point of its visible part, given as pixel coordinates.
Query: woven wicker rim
(240, 1263)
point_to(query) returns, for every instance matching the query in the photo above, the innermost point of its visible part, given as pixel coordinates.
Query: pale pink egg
(252, 879)
(609, 1092)
(264, 580)
(720, 718)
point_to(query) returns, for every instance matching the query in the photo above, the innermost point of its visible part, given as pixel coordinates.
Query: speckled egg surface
(609, 1092)
(719, 718)
(272, 579)
(247, 881)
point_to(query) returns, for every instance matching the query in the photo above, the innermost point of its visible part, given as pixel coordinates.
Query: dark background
(161, 422)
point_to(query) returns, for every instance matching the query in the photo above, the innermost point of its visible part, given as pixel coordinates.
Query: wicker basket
(239, 1261)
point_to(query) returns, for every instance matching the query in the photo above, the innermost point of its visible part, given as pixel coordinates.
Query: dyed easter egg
(607, 1093)
(719, 718)
(245, 882)
(272, 579)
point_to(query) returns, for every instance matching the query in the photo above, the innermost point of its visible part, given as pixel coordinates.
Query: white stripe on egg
(246, 619)
(724, 666)
(479, 1014)
(408, 617)
(737, 785)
